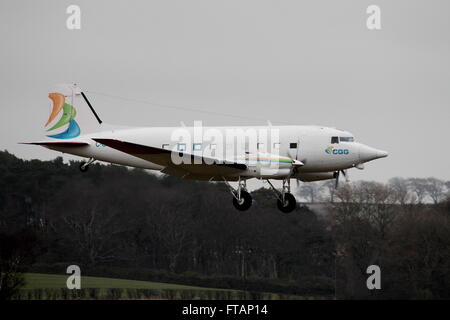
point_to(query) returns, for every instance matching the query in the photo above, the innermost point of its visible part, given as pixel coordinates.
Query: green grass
(40, 286)
(53, 281)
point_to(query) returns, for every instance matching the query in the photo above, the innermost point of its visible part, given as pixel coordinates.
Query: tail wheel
(83, 167)
(245, 203)
(289, 203)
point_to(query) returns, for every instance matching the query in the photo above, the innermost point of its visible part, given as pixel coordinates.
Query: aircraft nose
(382, 154)
(367, 153)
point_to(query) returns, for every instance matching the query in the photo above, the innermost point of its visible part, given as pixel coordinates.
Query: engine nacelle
(265, 165)
(315, 176)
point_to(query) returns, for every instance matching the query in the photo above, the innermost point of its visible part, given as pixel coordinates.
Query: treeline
(114, 217)
(409, 241)
(404, 190)
(112, 221)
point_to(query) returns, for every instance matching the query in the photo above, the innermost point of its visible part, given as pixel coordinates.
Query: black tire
(246, 201)
(289, 203)
(83, 168)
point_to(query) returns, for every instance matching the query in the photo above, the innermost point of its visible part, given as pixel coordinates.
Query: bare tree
(311, 191)
(16, 251)
(169, 229)
(92, 232)
(330, 187)
(90, 224)
(401, 187)
(419, 187)
(436, 189)
(379, 208)
(364, 214)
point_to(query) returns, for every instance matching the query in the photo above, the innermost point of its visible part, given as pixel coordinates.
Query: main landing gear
(85, 165)
(242, 200)
(285, 200)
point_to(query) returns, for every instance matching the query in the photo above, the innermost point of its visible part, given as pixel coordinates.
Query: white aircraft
(306, 153)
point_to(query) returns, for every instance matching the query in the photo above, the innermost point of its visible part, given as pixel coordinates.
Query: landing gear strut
(285, 200)
(85, 165)
(242, 200)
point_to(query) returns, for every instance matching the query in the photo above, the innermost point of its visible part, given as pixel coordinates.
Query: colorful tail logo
(68, 117)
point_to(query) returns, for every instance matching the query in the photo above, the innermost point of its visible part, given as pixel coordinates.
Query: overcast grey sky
(302, 62)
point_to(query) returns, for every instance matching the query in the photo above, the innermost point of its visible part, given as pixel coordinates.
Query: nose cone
(367, 153)
(382, 154)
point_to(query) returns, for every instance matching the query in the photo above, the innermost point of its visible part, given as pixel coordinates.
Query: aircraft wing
(199, 167)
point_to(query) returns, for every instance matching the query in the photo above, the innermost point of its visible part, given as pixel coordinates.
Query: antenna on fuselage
(160, 105)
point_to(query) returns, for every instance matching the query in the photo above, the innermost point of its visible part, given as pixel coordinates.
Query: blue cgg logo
(332, 150)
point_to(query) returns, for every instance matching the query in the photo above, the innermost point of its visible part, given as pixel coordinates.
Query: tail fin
(72, 114)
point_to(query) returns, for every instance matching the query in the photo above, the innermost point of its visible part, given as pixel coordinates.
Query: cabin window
(334, 139)
(276, 146)
(181, 146)
(346, 139)
(293, 145)
(197, 146)
(260, 146)
(212, 148)
(166, 146)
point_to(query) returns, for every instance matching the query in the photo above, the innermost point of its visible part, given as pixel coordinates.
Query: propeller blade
(345, 173)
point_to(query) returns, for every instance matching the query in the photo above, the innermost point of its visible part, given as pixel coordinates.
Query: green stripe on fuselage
(275, 160)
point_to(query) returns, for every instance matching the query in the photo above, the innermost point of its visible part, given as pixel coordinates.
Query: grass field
(40, 286)
(53, 281)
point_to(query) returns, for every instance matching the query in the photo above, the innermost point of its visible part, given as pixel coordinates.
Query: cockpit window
(334, 139)
(346, 139)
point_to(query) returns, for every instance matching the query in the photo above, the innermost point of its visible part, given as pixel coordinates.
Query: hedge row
(168, 294)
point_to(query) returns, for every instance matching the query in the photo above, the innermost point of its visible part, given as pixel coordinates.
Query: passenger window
(334, 139)
(166, 146)
(212, 148)
(293, 145)
(276, 146)
(197, 146)
(260, 146)
(181, 146)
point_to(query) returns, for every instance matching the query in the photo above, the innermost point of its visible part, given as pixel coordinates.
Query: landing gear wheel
(289, 203)
(83, 167)
(245, 203)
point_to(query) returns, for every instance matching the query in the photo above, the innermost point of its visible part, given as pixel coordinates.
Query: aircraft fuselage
(321, 150)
